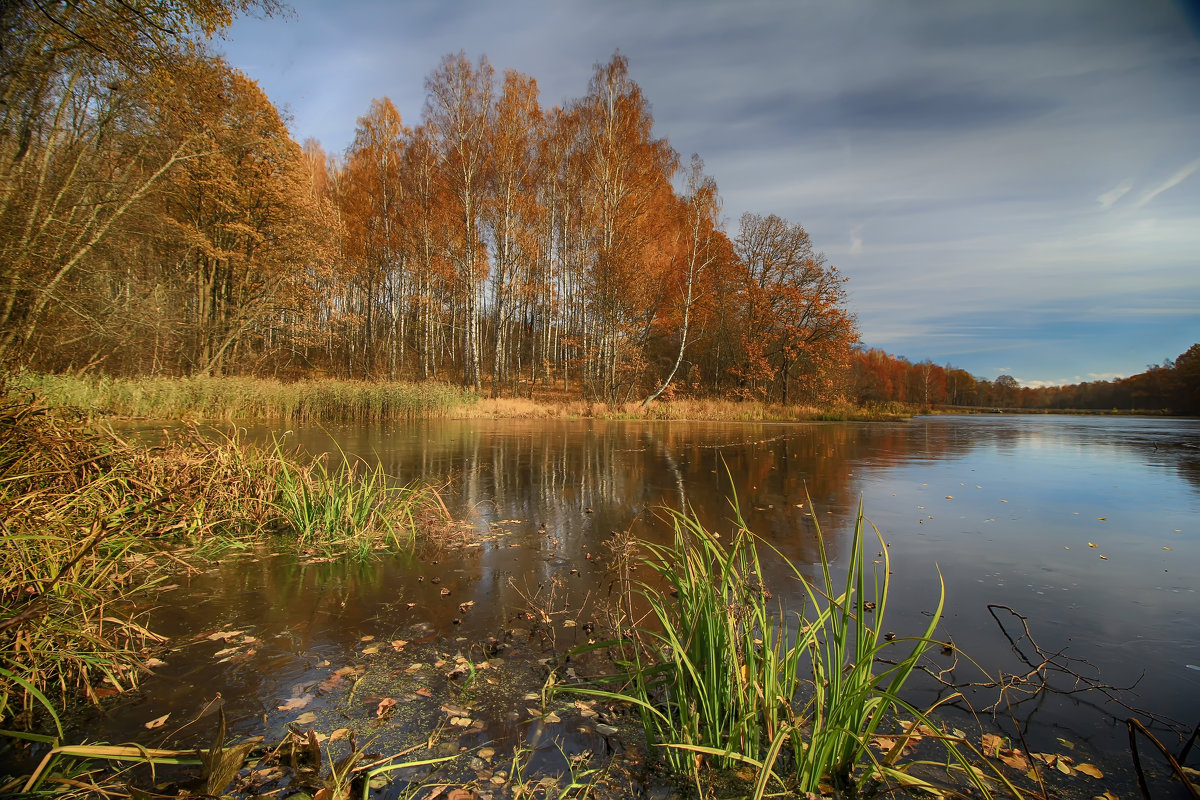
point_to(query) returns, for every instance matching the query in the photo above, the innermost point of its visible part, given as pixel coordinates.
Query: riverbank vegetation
(332, 401)
(93, 523)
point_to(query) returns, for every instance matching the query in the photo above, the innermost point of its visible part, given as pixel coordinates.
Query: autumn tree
(513, 216)
(245, 220)
(796, 332)
(625, 176)
(702, 245)
(77, 157)
(458, 112)
(371, 197)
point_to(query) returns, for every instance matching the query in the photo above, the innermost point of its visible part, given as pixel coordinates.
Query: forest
(157, 219)
(877, 377)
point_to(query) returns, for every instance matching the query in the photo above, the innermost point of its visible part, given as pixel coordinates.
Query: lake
(1085, 526)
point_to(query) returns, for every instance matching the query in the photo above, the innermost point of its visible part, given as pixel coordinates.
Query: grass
(722, 676)
(91, 524)
(336, 401)
(204, 398)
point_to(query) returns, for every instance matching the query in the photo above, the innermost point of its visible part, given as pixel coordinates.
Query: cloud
(1109, 198)
(1176, 179)
(856, 240)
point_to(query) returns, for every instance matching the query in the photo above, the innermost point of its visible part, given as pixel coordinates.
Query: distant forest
(1171, 386)
(156, 218)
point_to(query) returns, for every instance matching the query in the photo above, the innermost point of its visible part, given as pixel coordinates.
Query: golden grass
(337, 401)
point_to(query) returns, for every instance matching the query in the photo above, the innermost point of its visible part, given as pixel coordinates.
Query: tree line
(157, 218)
(878, 377)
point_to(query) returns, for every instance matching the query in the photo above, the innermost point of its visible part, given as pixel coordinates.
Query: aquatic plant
(721, 674)
(347, 508)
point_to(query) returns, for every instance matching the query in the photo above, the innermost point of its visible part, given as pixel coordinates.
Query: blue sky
(1011, 187)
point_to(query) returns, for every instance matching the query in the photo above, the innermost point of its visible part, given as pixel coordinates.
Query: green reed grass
(246, 399)
(720, 673)
(348, 508)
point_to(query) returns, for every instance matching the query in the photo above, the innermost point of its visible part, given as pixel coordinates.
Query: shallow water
(1086, 526)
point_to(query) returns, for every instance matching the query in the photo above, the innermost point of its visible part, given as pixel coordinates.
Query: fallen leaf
(1107, 796)
(370, 651)
(155, 662)
(992, 744)
(1090, 770)
(384, 705)
(367, 639)
(1104, 558)
(1015, 759)
(307, 718)
(1092, 544)
(425, 691)
(1102, 519)
(340, 733)
(224, 635)
(295, 703)
(398, 643)
(227, 651)
(1067, 743)
(157, 722)
(948, 497)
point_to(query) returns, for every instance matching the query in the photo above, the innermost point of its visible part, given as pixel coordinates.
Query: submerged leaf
(385, 705)
(157, 722)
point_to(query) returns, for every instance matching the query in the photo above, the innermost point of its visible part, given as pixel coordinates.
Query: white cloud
(1176, 179)
(1109, 198)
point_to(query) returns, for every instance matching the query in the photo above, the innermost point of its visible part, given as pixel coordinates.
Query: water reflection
(1013, 510)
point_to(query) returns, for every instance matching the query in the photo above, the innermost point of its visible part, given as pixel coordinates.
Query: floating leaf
(307, 718)
(340, 733)
(226, 652)
(367, 639)
(1015, 759)
(296, 703)
(1092, 544)
(1067, 743)
(1090, 770)
(1104, 558)
(224, 635)
(1102, 519)
(1107, 796)
(157, 722)
(370, 651)
(385, 705)
(992, 744)
(398, 643)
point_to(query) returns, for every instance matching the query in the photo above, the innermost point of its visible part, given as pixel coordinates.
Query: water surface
(1086, 526)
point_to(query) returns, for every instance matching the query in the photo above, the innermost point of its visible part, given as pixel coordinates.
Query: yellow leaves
(1091, 770)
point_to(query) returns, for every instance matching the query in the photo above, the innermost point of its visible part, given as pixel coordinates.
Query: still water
(1085, 526)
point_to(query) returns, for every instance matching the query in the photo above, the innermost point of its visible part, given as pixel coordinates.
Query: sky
(1010, 186)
